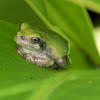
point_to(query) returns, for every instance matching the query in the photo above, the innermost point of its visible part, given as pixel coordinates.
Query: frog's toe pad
(19, 52)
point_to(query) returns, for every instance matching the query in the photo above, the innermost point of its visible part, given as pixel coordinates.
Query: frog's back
(53, 40)
(56, 42)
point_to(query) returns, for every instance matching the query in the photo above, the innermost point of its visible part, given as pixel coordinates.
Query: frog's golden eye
(23, 37)
(35, 39)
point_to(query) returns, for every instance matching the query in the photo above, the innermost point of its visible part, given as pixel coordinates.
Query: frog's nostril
(23, 37)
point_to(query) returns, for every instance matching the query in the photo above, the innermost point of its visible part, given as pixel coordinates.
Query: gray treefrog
(44, 49)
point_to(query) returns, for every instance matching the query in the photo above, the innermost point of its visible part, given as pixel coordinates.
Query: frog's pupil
(35, 39)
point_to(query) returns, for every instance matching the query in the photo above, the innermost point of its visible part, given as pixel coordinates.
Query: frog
(42, 48)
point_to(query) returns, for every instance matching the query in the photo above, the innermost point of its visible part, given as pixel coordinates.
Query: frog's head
(29, 38)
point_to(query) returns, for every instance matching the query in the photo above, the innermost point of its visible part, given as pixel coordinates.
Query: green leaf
(93, 5)
(21, 79)
(70, 86)
(17, 11)
(70, 20)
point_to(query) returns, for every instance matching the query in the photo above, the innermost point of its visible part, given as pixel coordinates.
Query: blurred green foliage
(17, 11)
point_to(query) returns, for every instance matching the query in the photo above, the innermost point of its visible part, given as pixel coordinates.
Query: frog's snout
(15, 38)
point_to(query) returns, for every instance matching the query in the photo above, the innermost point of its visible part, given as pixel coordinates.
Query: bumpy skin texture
(40, 48)
(42, 60)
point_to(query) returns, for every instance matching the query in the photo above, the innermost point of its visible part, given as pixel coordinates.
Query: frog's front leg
(44, 61)
(19, 50)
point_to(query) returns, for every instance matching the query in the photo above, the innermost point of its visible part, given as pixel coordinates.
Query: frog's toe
(28, 57)
(55, 66)
(19, 52)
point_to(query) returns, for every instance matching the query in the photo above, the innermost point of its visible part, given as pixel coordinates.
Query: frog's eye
(23, 37)
(35, 39)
